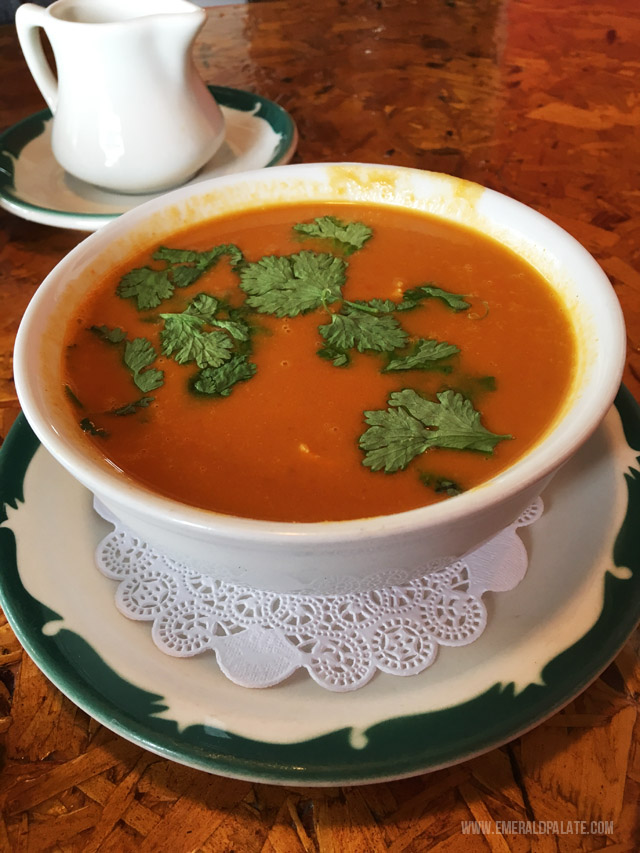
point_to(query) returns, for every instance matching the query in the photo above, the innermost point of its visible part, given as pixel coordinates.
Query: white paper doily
(260, 638)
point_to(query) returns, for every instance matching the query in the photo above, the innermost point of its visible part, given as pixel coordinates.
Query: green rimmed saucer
(259, 134)
(545, 642)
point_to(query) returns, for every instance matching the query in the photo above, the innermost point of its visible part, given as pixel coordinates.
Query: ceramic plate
(259, 133)
(545, 641)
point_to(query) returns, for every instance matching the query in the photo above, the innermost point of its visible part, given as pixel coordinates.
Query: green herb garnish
(473, 387)
(425, 354)
(220, 381)
(345, 236)
(414, 297)
(293, 284)
(111, 336)
(138, 355)
(440, 485)
(132, 408)
(487, 383)
(187, 265)
(87, 425)
(413, 424)
(72, 397)
(362, 326)
(183, 338)
(237, 328)
(150, 287)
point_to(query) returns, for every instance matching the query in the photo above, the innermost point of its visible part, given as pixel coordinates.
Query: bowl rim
(539, 462)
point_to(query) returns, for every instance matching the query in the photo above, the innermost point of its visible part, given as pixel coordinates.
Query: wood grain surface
(535, 98)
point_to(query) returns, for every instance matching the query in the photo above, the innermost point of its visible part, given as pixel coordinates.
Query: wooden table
(535, 98)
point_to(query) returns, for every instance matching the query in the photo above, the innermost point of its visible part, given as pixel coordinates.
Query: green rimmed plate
(259, 133)
(545, 641)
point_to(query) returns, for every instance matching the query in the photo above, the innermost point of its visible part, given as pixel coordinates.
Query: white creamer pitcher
(130, 111)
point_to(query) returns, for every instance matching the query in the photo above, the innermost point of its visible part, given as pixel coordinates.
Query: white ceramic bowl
(325, 556)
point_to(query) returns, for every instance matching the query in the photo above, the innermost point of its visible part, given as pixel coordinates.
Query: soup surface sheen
(487, 340)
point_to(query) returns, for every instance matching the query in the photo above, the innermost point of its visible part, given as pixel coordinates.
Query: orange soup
(303, 364)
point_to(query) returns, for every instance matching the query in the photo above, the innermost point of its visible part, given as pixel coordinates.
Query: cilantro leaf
(76, 402)
(185, 256)
(453, 416)
(205, 307)
(184, 337)
(339, 357)
(220, 381)
(187, 265)
(111, 336)
(412, 298)
(473, 387)
(236, 258)
(393, 439)
(414, 424)
(360, 326)
(238, 329)
(487, 383)
(440, 485)
(150, 380)
(378, 306)
(294, 284)
(184, 276)
(87, 425)
(202, 261)
(138, 355)
(148, 287)
(450, 487)
(132, 408)
(347, 236)
(426, 354)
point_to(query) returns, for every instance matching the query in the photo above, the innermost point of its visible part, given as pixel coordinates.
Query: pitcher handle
(29, 18)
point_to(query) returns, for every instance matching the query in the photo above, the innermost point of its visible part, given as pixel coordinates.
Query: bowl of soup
(323, 376)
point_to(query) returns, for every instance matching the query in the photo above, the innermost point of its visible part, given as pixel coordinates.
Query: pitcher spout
(177, 22)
